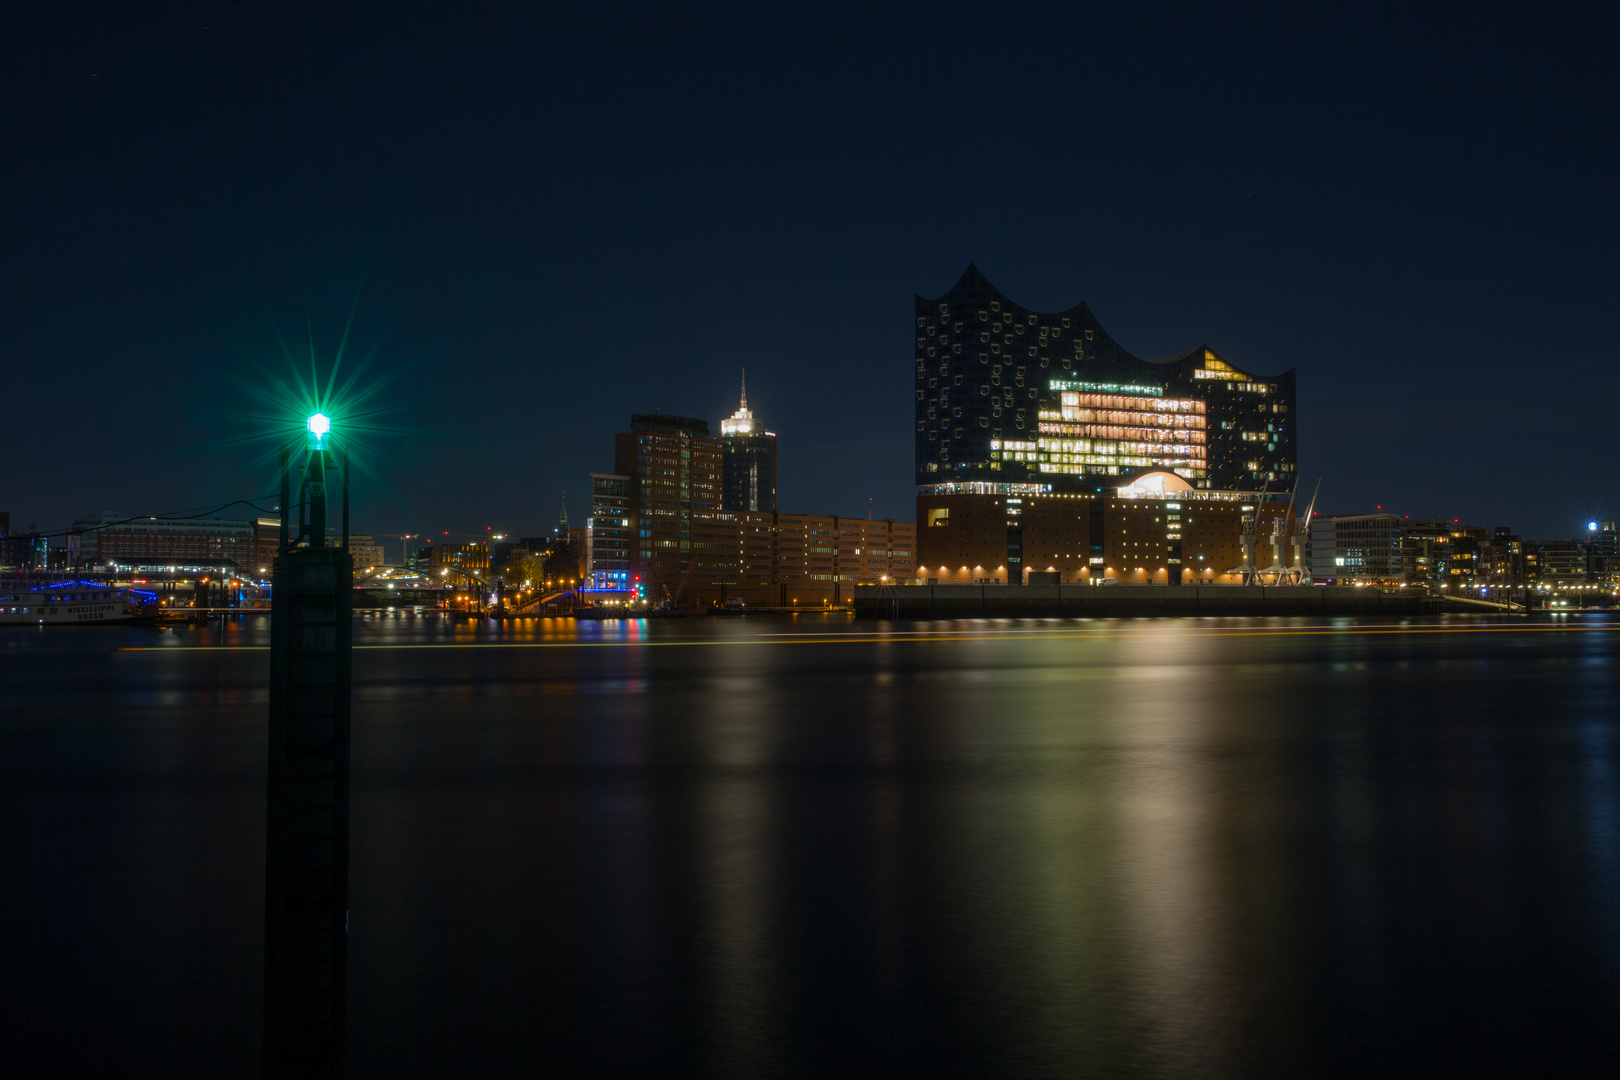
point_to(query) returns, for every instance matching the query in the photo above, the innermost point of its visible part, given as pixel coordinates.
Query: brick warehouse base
(1123, 601)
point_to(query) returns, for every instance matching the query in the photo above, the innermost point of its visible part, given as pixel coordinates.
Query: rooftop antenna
(869, 508)
(745, 388)
(562, 518)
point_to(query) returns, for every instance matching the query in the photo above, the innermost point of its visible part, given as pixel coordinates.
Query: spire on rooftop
(740, 422)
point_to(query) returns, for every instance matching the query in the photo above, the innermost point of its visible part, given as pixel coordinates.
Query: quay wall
(1123, 601)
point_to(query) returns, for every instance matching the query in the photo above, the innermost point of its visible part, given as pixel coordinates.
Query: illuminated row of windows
(1140, 434)
(1016, 450)
(1119, 416)
(1105, 388)
(1081, 464)
(1074, 399)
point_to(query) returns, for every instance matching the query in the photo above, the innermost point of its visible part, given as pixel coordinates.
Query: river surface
(775, 847)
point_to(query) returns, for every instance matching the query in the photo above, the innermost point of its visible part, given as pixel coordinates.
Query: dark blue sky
(561, 218)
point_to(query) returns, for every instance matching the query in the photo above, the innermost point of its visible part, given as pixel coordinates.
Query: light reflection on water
(814, 847)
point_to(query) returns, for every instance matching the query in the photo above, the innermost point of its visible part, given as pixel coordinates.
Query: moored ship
(78, 602)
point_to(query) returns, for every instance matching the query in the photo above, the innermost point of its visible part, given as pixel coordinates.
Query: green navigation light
(319, 425)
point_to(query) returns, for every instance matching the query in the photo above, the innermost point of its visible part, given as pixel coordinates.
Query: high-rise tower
(749, 454)
(673, 470)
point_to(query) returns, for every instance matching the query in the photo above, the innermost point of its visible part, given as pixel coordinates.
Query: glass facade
(749, 472)
(1008, 395)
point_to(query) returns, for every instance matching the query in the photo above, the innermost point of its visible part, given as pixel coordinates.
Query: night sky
(554, 219)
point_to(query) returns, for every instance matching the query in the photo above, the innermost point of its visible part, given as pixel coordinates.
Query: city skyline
(809, 540)
(889, 499)
(542, 516)
(1297, 215)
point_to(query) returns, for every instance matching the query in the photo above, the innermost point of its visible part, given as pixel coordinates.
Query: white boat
(38, 602)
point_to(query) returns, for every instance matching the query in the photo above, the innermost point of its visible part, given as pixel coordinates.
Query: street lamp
(319, 424)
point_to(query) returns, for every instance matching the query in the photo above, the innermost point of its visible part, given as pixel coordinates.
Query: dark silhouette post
(307, 830)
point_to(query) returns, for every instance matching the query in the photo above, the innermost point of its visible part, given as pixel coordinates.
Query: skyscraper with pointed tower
(748, 460)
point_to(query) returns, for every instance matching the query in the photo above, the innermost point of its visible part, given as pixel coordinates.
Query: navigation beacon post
(306, 881)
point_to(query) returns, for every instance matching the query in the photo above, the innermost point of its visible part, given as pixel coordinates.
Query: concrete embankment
(1124, 601)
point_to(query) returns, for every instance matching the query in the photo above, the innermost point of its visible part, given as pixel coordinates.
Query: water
(741, 847)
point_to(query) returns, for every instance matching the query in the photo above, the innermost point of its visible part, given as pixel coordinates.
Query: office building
(809, 560)
(1603, 551)
(447, 560)
(1012, 401)
(748, 461)
(1428, 550)
(1467, 546)
(108, 539)
(25, 552)
(1502, 559)
(366, 552)
(674, 492)
(874, 550)
(756, 550)
(1346, 549)
(607, 533)
(1560, 563)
